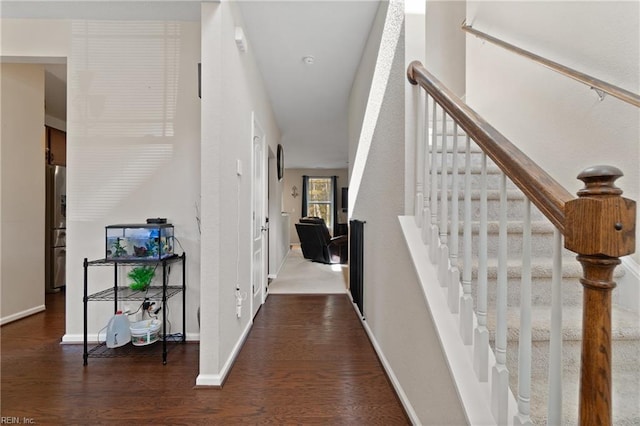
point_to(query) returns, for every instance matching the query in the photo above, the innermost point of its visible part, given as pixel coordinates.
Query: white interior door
(259, 222)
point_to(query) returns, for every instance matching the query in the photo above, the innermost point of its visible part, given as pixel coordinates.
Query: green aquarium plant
(118, 249)
(141, 277)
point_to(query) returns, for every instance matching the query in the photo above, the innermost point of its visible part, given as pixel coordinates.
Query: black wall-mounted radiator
(356, 263)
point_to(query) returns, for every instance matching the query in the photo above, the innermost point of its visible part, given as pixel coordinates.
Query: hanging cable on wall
(240, 296)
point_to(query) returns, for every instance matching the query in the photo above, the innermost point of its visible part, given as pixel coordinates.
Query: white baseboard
(387, 368)
(284, 260)
(216, 380)
(193, 337)
(22, 314)
(78, 339)
(209, 380)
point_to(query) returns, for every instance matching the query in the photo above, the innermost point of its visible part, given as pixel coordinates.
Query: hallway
(301, 276)
(307, 360)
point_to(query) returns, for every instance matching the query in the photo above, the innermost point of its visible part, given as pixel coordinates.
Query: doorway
(55, 95)
(260, 221)
(28, 82)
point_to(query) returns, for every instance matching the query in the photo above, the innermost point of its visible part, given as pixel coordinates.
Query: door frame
(259, 296)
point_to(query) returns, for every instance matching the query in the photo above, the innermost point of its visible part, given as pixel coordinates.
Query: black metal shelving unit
(118, 293)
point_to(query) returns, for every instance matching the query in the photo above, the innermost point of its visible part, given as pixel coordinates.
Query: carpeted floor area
(301, 276)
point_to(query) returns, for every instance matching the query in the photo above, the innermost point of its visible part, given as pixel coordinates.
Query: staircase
(626, 324)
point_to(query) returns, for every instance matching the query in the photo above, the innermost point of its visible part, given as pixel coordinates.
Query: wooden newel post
(600, 227)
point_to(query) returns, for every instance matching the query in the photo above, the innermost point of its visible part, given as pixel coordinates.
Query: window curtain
(334, 185)
(305, 183)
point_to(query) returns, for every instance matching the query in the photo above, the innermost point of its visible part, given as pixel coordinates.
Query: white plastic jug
(118, 333)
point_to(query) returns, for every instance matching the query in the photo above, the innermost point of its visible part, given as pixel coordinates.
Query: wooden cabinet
(56, 147)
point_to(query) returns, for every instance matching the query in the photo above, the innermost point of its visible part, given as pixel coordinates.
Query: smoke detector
(309, 60)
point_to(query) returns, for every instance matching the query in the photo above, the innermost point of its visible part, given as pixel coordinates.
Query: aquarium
(139, 241)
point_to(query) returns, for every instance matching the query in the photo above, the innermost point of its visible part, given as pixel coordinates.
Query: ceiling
(310, 101)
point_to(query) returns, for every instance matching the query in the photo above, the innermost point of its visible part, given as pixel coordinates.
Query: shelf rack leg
(164, 312)
(115, 288)
(184, 298)
(85, 354)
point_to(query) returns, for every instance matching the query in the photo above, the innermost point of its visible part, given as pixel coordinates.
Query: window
(320, 201)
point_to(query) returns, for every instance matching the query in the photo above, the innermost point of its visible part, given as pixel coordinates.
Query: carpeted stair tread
(625, 324)
(540, 268)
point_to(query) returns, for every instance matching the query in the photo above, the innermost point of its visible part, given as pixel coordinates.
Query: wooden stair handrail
(592, 82)
(599, 225)
(543, 191)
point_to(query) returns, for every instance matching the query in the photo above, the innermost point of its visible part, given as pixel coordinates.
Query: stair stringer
(475, 396)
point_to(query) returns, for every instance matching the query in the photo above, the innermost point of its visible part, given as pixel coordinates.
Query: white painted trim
(22, 314)
(216, 380)
(55, 122)
(258, 129)
(193, 337)
(209, 380)
(284, 260)
(387, 368)
(474, 395)
(78, 339)
(627, 293)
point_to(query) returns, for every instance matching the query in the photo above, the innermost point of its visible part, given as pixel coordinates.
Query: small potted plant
(141, 277)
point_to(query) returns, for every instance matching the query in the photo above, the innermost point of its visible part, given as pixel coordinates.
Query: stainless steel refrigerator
(56, 227)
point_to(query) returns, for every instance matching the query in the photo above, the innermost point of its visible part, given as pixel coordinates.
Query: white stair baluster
(500, 373)
(481, 337)
(426, 141)
(419, 158)
(454, 273)
(554, 415)
(523, 418)
(443, 255)
(466, 301)
(433, 205)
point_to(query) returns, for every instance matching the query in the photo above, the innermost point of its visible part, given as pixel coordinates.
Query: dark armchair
(318, 245)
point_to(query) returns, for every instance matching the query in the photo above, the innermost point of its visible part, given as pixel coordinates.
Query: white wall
(362, 82)
(559, 123)
(293, 205)
(232, 90)
(414, 50)
(394, 307)
(278, 220)
(22, 191)
(40, 38)
(135, 148)
(133, 139)
(445, 43)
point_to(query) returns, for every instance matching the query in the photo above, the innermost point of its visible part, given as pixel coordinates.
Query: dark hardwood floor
(307, 360)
